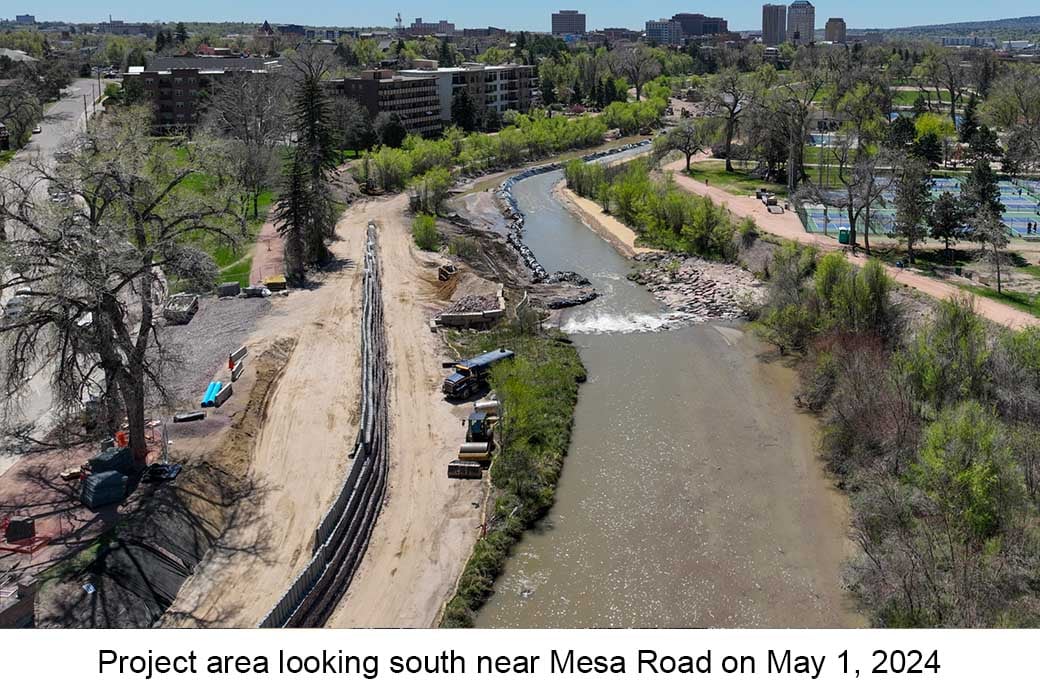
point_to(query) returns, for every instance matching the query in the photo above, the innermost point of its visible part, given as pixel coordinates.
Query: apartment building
(801, 22)
(774, 24)
(664, 32)
(568, 22)
(835, 30)
(498, 87)
(413, 98)
(176, 86)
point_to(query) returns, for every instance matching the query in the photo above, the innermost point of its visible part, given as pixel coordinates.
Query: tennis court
(1021, 201)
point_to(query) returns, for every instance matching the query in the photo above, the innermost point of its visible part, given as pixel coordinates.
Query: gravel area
(698, 289)
(200, 348)
(473, 303)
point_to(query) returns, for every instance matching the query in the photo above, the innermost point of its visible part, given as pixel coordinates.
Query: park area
(1021, 200)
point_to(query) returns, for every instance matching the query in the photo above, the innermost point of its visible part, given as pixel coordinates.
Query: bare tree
(993, 236)
(251, 109)
(730, 96)
(691, 136)
(94, 266)
(638, 64)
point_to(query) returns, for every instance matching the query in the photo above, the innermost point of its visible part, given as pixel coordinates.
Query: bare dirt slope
(788, 226)
(300, 456)
(428, 524)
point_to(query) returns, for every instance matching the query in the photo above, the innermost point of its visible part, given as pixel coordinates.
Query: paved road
(61, 121)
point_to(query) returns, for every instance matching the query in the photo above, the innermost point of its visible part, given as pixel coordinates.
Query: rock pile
(696, 289)
(473, 303)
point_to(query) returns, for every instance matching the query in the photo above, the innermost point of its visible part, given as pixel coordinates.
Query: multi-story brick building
(497, 87)
(412, 98)
(835, 30)
(177, 86)
(774, 24)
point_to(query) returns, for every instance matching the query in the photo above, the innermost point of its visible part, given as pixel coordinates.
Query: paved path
(789, 226)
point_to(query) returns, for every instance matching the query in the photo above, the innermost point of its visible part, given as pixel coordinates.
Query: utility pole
(85, 115)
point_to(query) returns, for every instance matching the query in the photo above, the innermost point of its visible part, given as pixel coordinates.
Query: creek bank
(539, 393)
(698, 290)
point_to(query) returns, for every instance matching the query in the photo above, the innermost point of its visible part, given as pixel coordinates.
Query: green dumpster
(843, 235)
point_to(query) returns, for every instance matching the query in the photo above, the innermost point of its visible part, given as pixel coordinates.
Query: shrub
(425, 234)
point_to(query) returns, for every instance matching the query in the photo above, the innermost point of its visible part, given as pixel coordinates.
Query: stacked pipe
(344, 532)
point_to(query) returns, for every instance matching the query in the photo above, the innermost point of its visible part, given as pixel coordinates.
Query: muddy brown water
(691, 495)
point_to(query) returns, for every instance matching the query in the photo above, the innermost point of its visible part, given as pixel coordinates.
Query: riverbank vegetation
(539, 391)
(932, 429)
(662, 214)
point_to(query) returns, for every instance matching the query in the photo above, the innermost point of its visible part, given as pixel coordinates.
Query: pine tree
(182, 33)
(305, 215)
(969, 121)
(463, 111)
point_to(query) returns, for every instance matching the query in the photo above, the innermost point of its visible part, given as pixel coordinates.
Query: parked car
(37, 130)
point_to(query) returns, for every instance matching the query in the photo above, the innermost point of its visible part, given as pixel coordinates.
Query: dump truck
(471, 375)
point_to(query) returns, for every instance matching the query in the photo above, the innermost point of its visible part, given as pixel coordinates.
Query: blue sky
(522, 14)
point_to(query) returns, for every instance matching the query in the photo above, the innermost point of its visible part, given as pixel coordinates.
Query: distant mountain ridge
(1022, 25)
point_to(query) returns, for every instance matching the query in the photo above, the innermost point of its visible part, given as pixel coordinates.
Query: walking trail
(789, 226)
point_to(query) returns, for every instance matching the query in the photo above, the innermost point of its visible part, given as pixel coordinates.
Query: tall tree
(314, 158)
(946, 219)
(464, 111)
(992, 234)
(912, 201)
(638, 64)
(181, 33)
(97, 264)
(251, 110)
(729, 97)
(981, 189)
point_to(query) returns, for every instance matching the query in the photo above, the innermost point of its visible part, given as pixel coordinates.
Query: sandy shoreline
(618, 235)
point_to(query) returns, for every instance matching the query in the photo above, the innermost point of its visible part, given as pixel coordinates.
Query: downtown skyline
(532, 16)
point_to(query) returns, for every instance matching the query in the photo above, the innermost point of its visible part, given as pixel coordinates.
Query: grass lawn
(1019, 300)
(907, 97)
(1033, 270)
(234, 260)
(738, 182)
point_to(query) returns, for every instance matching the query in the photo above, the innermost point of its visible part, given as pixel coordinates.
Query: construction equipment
(471, 375)
(480, 426)
(466, 470)
(476, 451)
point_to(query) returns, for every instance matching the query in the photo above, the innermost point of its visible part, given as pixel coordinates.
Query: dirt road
(299, 459)
(428, 524)
(788, 226)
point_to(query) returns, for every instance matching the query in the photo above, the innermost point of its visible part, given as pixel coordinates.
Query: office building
(664, 32)
(801, 22)
(835, 30)
(568, 22)
(500, 88)
(24, 19)
(774, 24)
(700, 25)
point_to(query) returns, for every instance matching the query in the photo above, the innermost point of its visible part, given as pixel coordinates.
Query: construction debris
(181, 308)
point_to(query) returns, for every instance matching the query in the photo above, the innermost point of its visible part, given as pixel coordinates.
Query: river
(691, 495)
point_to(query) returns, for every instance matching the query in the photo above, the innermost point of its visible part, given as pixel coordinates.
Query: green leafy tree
(946, 218)
(913, 202)
(464, 111)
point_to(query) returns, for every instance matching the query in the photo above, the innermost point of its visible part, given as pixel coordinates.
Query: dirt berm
(136, 568)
